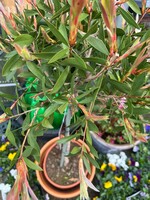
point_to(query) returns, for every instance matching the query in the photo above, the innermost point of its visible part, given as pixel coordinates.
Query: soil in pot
(66, 175)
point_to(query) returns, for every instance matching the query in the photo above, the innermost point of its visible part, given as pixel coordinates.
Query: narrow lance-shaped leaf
(129, 51)
(134, 6)
(21, 185)
(75, 11)
(91, 116)
(61, 80)
(128, 17)
(59, 55)
(98, 44)
(109, 16)
(83, 185)
(47, 37)
(129, 127)
(143, 6)
(137, 61)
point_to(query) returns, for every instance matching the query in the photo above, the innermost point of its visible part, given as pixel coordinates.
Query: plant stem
(66, 146)
(27, 133)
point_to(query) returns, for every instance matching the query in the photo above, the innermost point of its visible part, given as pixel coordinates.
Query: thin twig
(27, 133)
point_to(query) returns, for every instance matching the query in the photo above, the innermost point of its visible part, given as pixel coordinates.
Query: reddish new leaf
(75, 11)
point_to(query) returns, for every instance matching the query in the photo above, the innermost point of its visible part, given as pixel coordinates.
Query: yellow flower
(135, 178)
(108, 184)
(113, 167)
(104, 165)
(11, 156)
(95, 198)
(119, 179)
(3, 147)
(129, 162)
(7, 143)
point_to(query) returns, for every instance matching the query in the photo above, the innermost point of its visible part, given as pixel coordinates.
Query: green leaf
(63, 107)
(93, 150)
(75, 150)
(13, 63)
(7, 96)
(80, 61)
(57, 5)
(31, 164)
(92, 127)
(26, 122)
(86, 93)
(32, 140)
(27, 152)
(68, 138)
(141, 111)
(10, 135)
(132, 4)
(35, 70)
(61, 80)
(44, 55)
(63, 31)
(61, 11)
(98, 44)
(87, 164)
(72, 62)
(138, 82)
(51, 109)
(46, 123)
(88, 137)
(145, 36)
(23, 40)
(59, 55)
(128, 17)
(56, 33)
(92, 30)
(92, 160)
(122, 87)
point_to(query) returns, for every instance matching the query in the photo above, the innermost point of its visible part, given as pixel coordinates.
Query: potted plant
(81, 61)
(127, 178)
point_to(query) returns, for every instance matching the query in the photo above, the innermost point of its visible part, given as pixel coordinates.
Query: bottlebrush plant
(81, 58)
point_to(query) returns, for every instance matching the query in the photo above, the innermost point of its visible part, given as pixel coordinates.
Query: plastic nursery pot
(104, 147)
(51, 189)
(48, 158)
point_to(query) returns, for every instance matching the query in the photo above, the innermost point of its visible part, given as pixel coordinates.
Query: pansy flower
(119, 179)
(11, 156)
(113, 167)
(103, 167)
(108, 184)
(1, 169)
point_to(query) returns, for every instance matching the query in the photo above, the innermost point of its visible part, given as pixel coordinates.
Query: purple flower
(130, 175)
(138, 176)
(147, 128)
(1, 169)
(143, 194)
(135, 149)
(132, 162)
(3, 138)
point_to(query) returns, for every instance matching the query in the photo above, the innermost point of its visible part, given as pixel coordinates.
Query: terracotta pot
(104, 147)
(45, 168)
(51, 189)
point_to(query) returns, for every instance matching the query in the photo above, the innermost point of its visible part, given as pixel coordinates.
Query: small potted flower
(125, 176)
